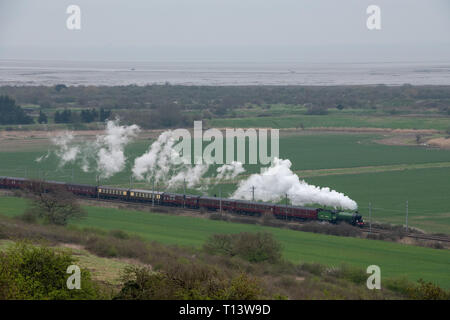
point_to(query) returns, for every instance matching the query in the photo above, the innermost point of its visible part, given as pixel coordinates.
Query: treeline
(219, 99)
(10, 113)
(162, 106)
(85, 116)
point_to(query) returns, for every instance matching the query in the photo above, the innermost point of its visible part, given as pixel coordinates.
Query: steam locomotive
(251, 208)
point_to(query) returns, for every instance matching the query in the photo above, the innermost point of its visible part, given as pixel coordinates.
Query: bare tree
(54, 203)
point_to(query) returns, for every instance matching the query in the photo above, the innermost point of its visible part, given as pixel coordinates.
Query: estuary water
(49, 73)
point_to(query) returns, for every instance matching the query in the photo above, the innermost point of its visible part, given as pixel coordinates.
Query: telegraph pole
(184, 193)
(253, 193)
(98, 183)
(406, 215)
(286, 205)
(153, 193)
(72, 175)
(370, 217)
(131, 182)
(220, 199)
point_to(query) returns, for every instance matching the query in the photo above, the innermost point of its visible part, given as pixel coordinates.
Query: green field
(427, 192)
(343, 121)
(395, 259)
(367, 171)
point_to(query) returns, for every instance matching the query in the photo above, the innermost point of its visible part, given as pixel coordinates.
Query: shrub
(29, 272)
(353, 274)
(257, 247)
(313, 268)
(253, 247)
(427, 291)
(28, 216)
(186, 281)
(220, 244)
(119, 234)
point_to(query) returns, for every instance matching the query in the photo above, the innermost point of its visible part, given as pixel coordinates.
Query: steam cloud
(107, 152)
(230, 171)
(273, 183)
(65, 152)
(110, 157)
(162, 163)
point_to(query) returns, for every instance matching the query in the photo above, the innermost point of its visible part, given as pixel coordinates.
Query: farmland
(395, 259)
(335, 120)
(355, 164)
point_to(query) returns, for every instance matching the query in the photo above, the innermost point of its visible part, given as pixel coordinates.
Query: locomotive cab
(358, 219)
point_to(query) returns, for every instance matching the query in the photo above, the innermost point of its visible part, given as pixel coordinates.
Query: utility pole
(253, 193)
(131, 182)
(184, 193)
(98, 183)
(370, 217)
(153, 193)
(286, 205)
(220, 199)
(406, 215)
(72, 175)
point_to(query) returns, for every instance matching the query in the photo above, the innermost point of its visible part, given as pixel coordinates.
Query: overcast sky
(327, 30)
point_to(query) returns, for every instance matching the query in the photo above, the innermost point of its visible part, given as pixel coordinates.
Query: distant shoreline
(90, 73)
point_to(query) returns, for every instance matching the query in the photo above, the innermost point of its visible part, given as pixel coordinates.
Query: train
(244, 207)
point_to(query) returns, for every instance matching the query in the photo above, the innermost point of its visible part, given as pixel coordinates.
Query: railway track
(420, 236)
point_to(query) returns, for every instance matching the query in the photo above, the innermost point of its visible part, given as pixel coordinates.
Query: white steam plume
(64, 150)
(157, 162)
(110, 157)
(163, 164)
(273, 183)
(229, 171)
(106, 152)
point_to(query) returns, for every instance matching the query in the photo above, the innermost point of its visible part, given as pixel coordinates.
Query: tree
(10, 113)
(42, 117)
(54, 204)
(104, 114)
(63, 116)
(59, 87)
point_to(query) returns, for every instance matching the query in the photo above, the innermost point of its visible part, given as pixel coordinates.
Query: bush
(427, 291)
(313, 268)
(29, 272)
(28, 216)
(185, 281)
(119, 234)
(253, 247)
(353, 274)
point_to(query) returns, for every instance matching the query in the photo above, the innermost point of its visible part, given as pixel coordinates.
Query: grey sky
(225, 29)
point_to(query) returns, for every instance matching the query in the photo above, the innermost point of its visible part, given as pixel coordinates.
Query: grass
(102, 269)
(427, 192)
(306, 152)
(393, 258)
(335, 120)
(368, 171)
